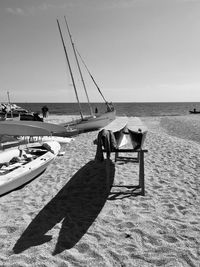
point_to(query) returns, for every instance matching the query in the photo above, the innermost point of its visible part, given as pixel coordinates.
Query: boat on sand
(137, 132)
(19, 165)
(33, 127)
(128, 131)
(22, 162)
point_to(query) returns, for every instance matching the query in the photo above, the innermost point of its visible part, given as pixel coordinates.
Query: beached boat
(27, 131)
(122, 135)
(30, 116)
(11, 110)
(19, 165)
(2, 116)
(128, 130)
(29, 128)
(90, 123)
(93, 121)
(137, 132)
(8, 111)
(15, 112)
(20, 162)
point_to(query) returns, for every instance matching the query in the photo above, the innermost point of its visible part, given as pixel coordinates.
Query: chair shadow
(77, 205)
(131, 191)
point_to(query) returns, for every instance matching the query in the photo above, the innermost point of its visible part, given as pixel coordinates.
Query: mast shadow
(76, 206)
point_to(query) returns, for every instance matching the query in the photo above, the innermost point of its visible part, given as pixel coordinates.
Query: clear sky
(137, 50)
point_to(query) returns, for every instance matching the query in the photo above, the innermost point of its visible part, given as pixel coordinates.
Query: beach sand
(67, 217)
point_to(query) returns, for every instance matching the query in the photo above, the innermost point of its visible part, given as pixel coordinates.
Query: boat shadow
(75, 206)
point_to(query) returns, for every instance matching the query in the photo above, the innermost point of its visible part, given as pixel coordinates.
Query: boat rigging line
(75, 53)
(91, 76)
(77, 62)
(70, 70)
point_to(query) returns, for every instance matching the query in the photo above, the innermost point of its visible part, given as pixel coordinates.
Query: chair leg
(116, 156)
(141, 172)
(138, 157)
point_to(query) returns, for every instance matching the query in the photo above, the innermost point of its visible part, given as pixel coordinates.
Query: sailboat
(11, 111)
(92, 121)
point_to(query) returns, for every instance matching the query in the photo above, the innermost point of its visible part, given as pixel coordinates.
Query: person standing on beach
(45, 111)
(3, 113)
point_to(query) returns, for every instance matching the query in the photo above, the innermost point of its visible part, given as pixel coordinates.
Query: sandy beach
(67, 217)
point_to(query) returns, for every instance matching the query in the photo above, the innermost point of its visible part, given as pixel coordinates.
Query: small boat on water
(21, 162)
(194, 111)
(92, 121)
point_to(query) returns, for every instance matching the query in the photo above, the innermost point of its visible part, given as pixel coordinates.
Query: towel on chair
(106, 140)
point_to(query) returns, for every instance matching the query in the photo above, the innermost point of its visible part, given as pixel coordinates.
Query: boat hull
(194, 112)
(92, 123)
(128, 130)
(137, 139)
(27, 172)
(29, 128)
(137, 132)
(30, 117)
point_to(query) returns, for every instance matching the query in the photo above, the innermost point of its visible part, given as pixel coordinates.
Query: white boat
(32, 127)
(93, 121)
(8, 110)
(59, 139)
(128, 130)
(11, 111)
(117, 127)
(20, 163)
(137, 132)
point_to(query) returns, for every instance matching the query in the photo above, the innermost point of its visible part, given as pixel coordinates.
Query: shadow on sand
(77, 205)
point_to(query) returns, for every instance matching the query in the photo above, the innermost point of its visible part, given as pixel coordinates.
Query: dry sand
(66, 217)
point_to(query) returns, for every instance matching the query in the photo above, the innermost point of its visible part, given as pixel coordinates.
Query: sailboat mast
(70, 70)
(91, 111)
(11, 114)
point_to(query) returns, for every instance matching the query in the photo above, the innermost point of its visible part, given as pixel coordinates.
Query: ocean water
(122, 109)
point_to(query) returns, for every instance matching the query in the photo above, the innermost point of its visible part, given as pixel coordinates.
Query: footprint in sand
(11, 229)
(125, 225)
(171, 211)
(83, 248)
(170, 239)
(181, 209)
(170, 206)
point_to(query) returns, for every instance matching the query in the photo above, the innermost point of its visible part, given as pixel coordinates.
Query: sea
(122, 109)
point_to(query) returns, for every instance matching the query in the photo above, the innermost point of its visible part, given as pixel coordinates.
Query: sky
(136, 50)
